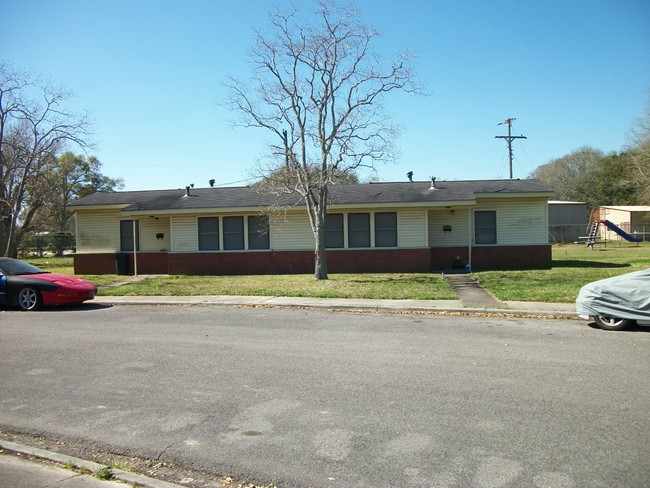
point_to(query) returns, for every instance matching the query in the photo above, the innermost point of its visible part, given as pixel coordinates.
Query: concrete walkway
(472, 294)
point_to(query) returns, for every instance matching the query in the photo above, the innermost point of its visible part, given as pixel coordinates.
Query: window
(208, 233)
(386, 229)
(334, 230)
(359, 230)
(258, 232)
(233, 233)
(485, 227)
(126, 235)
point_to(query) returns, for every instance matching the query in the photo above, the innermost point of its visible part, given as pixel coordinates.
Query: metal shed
(567, 221)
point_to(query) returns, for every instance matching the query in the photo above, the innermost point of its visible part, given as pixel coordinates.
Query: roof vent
(187, 191)
(433, 183)
(409, 175)
(211, 182)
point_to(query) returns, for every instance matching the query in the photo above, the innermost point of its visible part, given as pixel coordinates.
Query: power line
(509, 138)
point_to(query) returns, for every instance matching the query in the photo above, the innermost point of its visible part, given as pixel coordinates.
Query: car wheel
(612, 323)
(29, 298)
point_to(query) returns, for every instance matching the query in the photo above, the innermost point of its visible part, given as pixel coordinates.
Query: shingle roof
(353, 194)
(629, 208)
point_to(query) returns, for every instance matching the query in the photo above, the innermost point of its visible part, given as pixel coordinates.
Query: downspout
(469, 244)
(135, 247)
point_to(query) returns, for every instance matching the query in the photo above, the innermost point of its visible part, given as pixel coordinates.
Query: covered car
(618, 302)
(30, 288)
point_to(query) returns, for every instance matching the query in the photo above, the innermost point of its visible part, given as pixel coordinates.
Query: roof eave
(192, 211)
(113, 206)
(442, 203)
(539, 194)
(344, 206)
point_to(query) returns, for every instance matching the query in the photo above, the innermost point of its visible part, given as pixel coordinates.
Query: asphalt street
(336, 399)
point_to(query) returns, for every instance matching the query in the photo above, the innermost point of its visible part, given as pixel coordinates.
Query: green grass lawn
(573, 266)
(391, 286)
(420, 286)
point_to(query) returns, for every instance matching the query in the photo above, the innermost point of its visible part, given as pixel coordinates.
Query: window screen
(386, 229)
(233, 233)
(359, 230)
(126, 235)
(258, 232)
(485, 227)
(208, 234)
(334, 230)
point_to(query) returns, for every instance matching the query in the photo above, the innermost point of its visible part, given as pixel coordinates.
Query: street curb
(270, 302)
(118, 474)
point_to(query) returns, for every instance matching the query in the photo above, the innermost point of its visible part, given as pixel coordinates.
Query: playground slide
(620, 231)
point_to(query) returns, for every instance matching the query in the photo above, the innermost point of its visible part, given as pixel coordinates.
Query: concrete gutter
(552, 310)
(82, 480)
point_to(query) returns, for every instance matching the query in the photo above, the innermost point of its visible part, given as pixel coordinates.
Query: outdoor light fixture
(160, 236)
(446, 229)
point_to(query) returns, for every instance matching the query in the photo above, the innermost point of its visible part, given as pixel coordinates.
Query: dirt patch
(156, 469)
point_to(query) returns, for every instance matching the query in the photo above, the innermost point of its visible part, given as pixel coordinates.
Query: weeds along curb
(460, 312)
(84, 465)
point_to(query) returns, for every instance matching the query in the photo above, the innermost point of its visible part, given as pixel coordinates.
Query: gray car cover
(625, 297)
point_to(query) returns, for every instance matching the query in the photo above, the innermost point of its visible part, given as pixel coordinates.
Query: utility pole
(509, 138)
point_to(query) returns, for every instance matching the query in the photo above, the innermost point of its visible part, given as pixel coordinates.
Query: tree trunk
(4, 232)
(320, 257)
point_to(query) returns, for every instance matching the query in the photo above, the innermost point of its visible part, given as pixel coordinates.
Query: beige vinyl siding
(615, 215)
(519, 221)
(620, 218)
(411, 228)
(185, 234)
(98, 231)
(291, 233)
(294, 231)
(149, 227)
(457, 218)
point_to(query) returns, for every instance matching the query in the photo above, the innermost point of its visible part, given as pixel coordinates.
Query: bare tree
(640, 154)
(317, 86)
(34, 127)
(572, 176)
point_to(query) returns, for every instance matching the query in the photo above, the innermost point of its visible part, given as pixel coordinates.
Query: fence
(39, 244)
(642, 231)
(563, 234)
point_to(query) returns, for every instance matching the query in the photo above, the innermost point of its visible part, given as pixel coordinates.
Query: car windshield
(14, 267)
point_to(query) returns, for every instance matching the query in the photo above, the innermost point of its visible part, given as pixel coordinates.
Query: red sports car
(31, 288)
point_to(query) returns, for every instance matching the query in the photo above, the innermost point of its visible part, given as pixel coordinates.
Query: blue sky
(572, 73)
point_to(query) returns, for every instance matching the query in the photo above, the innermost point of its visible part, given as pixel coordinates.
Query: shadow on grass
(405, 279)
(586, 264)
